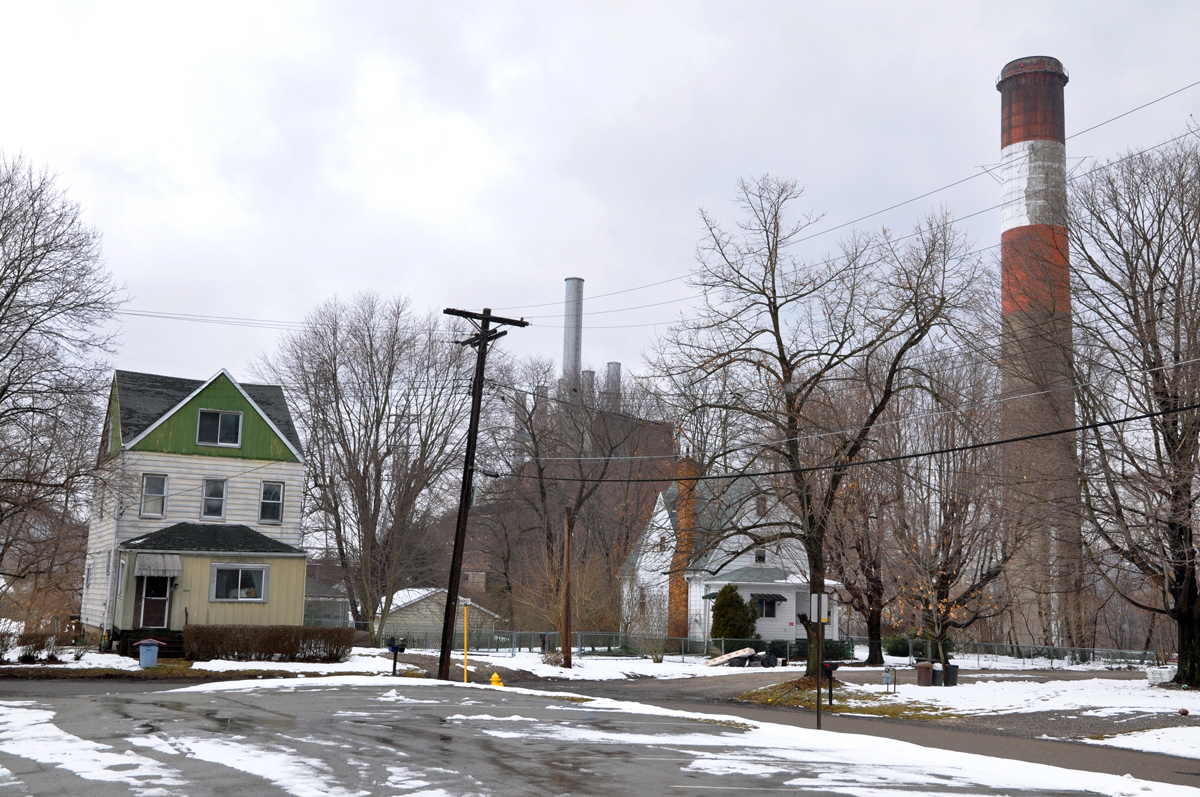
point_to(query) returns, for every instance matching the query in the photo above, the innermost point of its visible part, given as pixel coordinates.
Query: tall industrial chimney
(612, 387)
(1036, 351)
(572, 332)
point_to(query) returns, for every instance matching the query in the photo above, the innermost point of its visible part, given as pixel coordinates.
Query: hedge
(267, 643)
(31, 642)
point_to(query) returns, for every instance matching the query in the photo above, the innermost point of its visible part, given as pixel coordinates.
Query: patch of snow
(360, 660)
(1183, 742)
(30, 733)
(511, 718)
(298, 776)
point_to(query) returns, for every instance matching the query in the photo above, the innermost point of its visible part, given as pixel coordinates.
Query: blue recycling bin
(148, 652)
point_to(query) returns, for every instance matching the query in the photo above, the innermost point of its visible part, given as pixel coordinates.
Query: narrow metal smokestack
(587, 387)
(573, 332)
(612, 387)
(1036, 348)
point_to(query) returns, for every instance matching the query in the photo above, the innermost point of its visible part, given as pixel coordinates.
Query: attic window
(219, 429)
(760, 555)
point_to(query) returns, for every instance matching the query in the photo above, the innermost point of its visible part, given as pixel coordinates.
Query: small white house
(772, 577)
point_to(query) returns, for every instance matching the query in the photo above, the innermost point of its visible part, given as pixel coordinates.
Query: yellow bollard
(496, 679)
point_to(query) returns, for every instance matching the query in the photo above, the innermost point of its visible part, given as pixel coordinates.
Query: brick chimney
(685, 545)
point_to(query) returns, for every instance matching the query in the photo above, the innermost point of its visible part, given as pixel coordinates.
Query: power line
(899, 457)
(885, 210)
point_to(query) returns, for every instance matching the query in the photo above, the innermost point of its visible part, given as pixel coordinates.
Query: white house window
(121, 579)
(213, 503)
(760, 556)
(154, 494)
(766, 608)
(219, 428)
(270, 504)
(231, 582)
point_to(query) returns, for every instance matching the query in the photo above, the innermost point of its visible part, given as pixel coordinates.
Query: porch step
(173, 649)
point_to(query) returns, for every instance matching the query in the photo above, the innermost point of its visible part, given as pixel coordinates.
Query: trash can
(937, 674)
(148, 652)
(924, 673)
(951, 675)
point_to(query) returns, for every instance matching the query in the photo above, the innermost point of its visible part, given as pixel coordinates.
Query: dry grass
(801, 693)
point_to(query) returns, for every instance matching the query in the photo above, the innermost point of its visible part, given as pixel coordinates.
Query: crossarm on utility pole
(483, 323)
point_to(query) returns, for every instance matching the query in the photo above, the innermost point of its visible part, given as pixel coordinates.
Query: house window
(213, 504)
(766, 608)
(760, 556)
(270, 503)
(232, 582)
(121, 579)
(219, 428)
(154, 494)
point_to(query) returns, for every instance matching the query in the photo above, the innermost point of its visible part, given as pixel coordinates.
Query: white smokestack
(612, 386)
(573, 332)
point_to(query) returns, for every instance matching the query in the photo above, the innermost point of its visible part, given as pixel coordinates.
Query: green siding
(177, 434)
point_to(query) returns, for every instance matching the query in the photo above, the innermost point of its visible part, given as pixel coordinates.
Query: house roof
(319, 589)
(221, 538)
(144, 398)
(404, 598)
(753, 575)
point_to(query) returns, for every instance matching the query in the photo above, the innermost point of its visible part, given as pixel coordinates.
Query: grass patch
(801, 694)
(741, 726)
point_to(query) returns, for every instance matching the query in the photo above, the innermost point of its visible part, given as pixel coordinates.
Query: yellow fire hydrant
(496, 679)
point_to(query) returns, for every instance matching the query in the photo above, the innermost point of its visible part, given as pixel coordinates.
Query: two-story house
(196, 515)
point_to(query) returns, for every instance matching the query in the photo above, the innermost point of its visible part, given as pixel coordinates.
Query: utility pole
(484, 336)
(565, 642)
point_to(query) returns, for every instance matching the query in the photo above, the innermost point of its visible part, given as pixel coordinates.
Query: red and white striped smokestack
(1044, 578)
(1033, 232)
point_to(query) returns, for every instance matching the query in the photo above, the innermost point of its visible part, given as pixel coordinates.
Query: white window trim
(282, 498)
(121, 579)
(204, 497)
(142, 501)
(212, 581)
(238, 413)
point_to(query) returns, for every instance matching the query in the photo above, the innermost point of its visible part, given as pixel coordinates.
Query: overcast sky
(253, 159)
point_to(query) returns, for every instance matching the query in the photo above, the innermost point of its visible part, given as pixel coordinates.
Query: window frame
(142, 504)
(763, 606)
(760, 556)
(219, 444)
(121, 579)
(282, 495)
(239, 566)
(204, 497)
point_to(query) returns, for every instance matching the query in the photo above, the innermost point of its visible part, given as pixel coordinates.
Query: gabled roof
(404, 598)
(753, 575)
(211, 537)
(146, 399)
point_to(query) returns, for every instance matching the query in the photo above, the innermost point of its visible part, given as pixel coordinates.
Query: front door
(153, 596)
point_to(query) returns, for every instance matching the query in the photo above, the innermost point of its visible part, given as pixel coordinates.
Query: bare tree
(381, 401)
(1135, 238)
(953, 533)
(785, 333)
(566, 454)
(56, 297)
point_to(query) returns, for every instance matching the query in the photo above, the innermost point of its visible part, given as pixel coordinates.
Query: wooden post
(565, 642)
(464, 643)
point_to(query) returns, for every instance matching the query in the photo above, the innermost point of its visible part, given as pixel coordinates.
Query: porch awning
(158, 564)
(767, 596)
(709, 596)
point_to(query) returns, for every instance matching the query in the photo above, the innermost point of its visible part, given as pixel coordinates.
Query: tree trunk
(1189, 649)
(874, 637)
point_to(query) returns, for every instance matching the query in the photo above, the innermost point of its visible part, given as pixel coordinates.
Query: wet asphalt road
(316, 740)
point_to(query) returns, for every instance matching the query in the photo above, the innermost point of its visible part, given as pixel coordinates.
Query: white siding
(115, 515)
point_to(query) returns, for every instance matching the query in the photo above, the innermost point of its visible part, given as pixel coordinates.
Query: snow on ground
(603, 668)
(972, 661)
(360, 660)
(90, 660)
(1092, 697)
(844, 762)
(1183, 742)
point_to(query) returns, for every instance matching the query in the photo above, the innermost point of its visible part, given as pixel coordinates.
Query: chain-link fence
(1030, 656)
